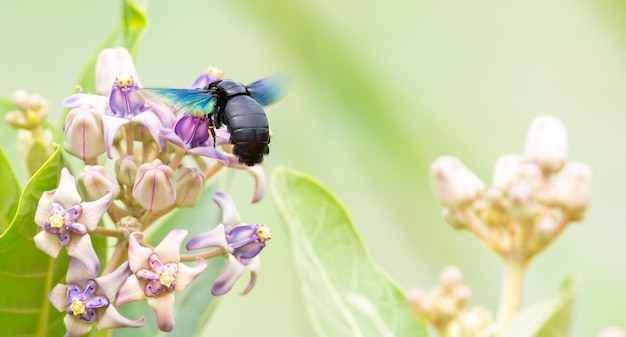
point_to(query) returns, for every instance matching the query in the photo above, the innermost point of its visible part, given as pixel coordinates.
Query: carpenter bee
(239, 107)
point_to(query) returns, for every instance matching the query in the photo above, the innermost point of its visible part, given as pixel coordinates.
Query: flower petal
(229, 277)
(168, 250)
(81, 248)
(164, 113)
(110, 284)
(58, 297)
(258, 173)
(76, 327)
(163, 307)
(222, 136)
(67, 193)
(209, 152)
(213, 238)
(100, 103)
(93, 211)
(187, 274)
(170, 135)
(111, 126)
(137, 254)
(113, 62)
(255, 266)
(230, 216)
(153, 124)
(48, 243)
(43, 208)
(112, 319)
(131, 291)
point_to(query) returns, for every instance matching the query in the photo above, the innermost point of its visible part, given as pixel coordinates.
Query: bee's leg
(212, 130)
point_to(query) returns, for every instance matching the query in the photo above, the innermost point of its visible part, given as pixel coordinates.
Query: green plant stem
(512, 290)
(204, 255)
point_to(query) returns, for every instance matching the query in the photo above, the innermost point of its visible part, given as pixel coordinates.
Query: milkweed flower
(64, 221)
(242, 242)
(191, 134)
(157, 273)
(87, 299)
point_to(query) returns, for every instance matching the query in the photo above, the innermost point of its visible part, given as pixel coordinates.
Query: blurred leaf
(134, 23)
(550, 318)
(9, 194)
(37, 155)
(347, 294)
(194, 306)
(27, 273)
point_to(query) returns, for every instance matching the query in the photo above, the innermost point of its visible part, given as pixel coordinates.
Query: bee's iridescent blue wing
(269, 89)
(196, 102)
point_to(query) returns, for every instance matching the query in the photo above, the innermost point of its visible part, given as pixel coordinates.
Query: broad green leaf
(193, 306)
(37, 155)
(134, 23)
(27, 273)
(9, 193)
(346, 293)
(550, 318)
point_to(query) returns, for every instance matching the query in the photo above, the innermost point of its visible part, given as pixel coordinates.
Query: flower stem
(178, 158)
(204, 255)
(107, 232)
(475, 226)
(115, 257)
(512, 290)
(212, 170)
(130, 139)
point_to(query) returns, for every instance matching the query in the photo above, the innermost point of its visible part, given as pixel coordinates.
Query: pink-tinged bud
(572, 189)
(84, 133)
(126, 170)
(450, 277)
(505, 171)
(453, 184)
(189, 186)
(32, 111)
(546, 144)
(96, 181)
(112, 63)
(155, 186)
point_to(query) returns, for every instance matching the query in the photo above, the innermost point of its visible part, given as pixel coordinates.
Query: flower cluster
(162, 162)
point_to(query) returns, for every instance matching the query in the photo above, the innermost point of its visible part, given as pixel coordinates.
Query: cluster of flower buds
(445, 306)
(163, 161)
(532, 198)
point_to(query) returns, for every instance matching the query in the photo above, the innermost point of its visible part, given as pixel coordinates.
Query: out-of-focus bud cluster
(531, 199)
(445, 306)
(31, 113)
(612, 332)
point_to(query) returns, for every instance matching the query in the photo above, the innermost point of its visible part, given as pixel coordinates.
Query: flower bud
(546, 144)
(505, 171)
(155, 186)
(111, 63)
(128, 225)
(189, 186)
(96, 181)
(32, 111)
(453, 184)
(84, 133)
(572, 189)
(211, 75)
(450, 277)
(126, 170)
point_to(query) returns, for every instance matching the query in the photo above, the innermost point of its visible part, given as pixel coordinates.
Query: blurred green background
(380, 89)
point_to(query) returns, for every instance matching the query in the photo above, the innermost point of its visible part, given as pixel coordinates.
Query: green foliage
(550, 318)
(27, 273)
(134, 23)
(9, 194)
(346, 293)
(37, 155)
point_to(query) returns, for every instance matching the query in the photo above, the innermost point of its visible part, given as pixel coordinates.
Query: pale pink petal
(168, 250)
(112, 319)
(163, 307)
(77, 273)
(110, 284)
(111, 126)
(209, 152)
(58, 297)
(48, 243)
(171, 136)
(151, 122)
(230, 216)
(100, 103)
(67, 193)
(258, 173)
(164, 114)
(43, 208)
(229, 277)
(93, 211)
(137, 254)
(75, 326)
(213, 238)
(222, 137)
(186, 274)
(255, 266)
(81, 248)
(131, 291)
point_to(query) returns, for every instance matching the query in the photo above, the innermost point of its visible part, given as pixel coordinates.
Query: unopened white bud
(454, 185)
(572, 189)
(96, 181)
(546, 144)
(505, 171)
(450, 277)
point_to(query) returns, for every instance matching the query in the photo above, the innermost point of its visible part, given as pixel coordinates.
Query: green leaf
(194, 306)
(9, 194)
(346, 292)
(36, 157)
(27, 273)
(550, 318)
(134, 23)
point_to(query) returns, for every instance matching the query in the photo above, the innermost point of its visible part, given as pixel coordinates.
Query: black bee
(230, 103)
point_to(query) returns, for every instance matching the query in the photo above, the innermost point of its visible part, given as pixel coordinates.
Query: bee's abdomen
(249, 129)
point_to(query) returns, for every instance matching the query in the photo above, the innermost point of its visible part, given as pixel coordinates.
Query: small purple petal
(230, 216)
(248, 251)
(172, 137)
(97, 302)
(213, 238)
(147, 274)
(76, 227)
(209, 152)
(153, 288)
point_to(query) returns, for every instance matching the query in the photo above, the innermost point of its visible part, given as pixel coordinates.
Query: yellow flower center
(56, 220)
(77, 307)
(264, 233)
(217, 72)
(166, 279)
(124, 82)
